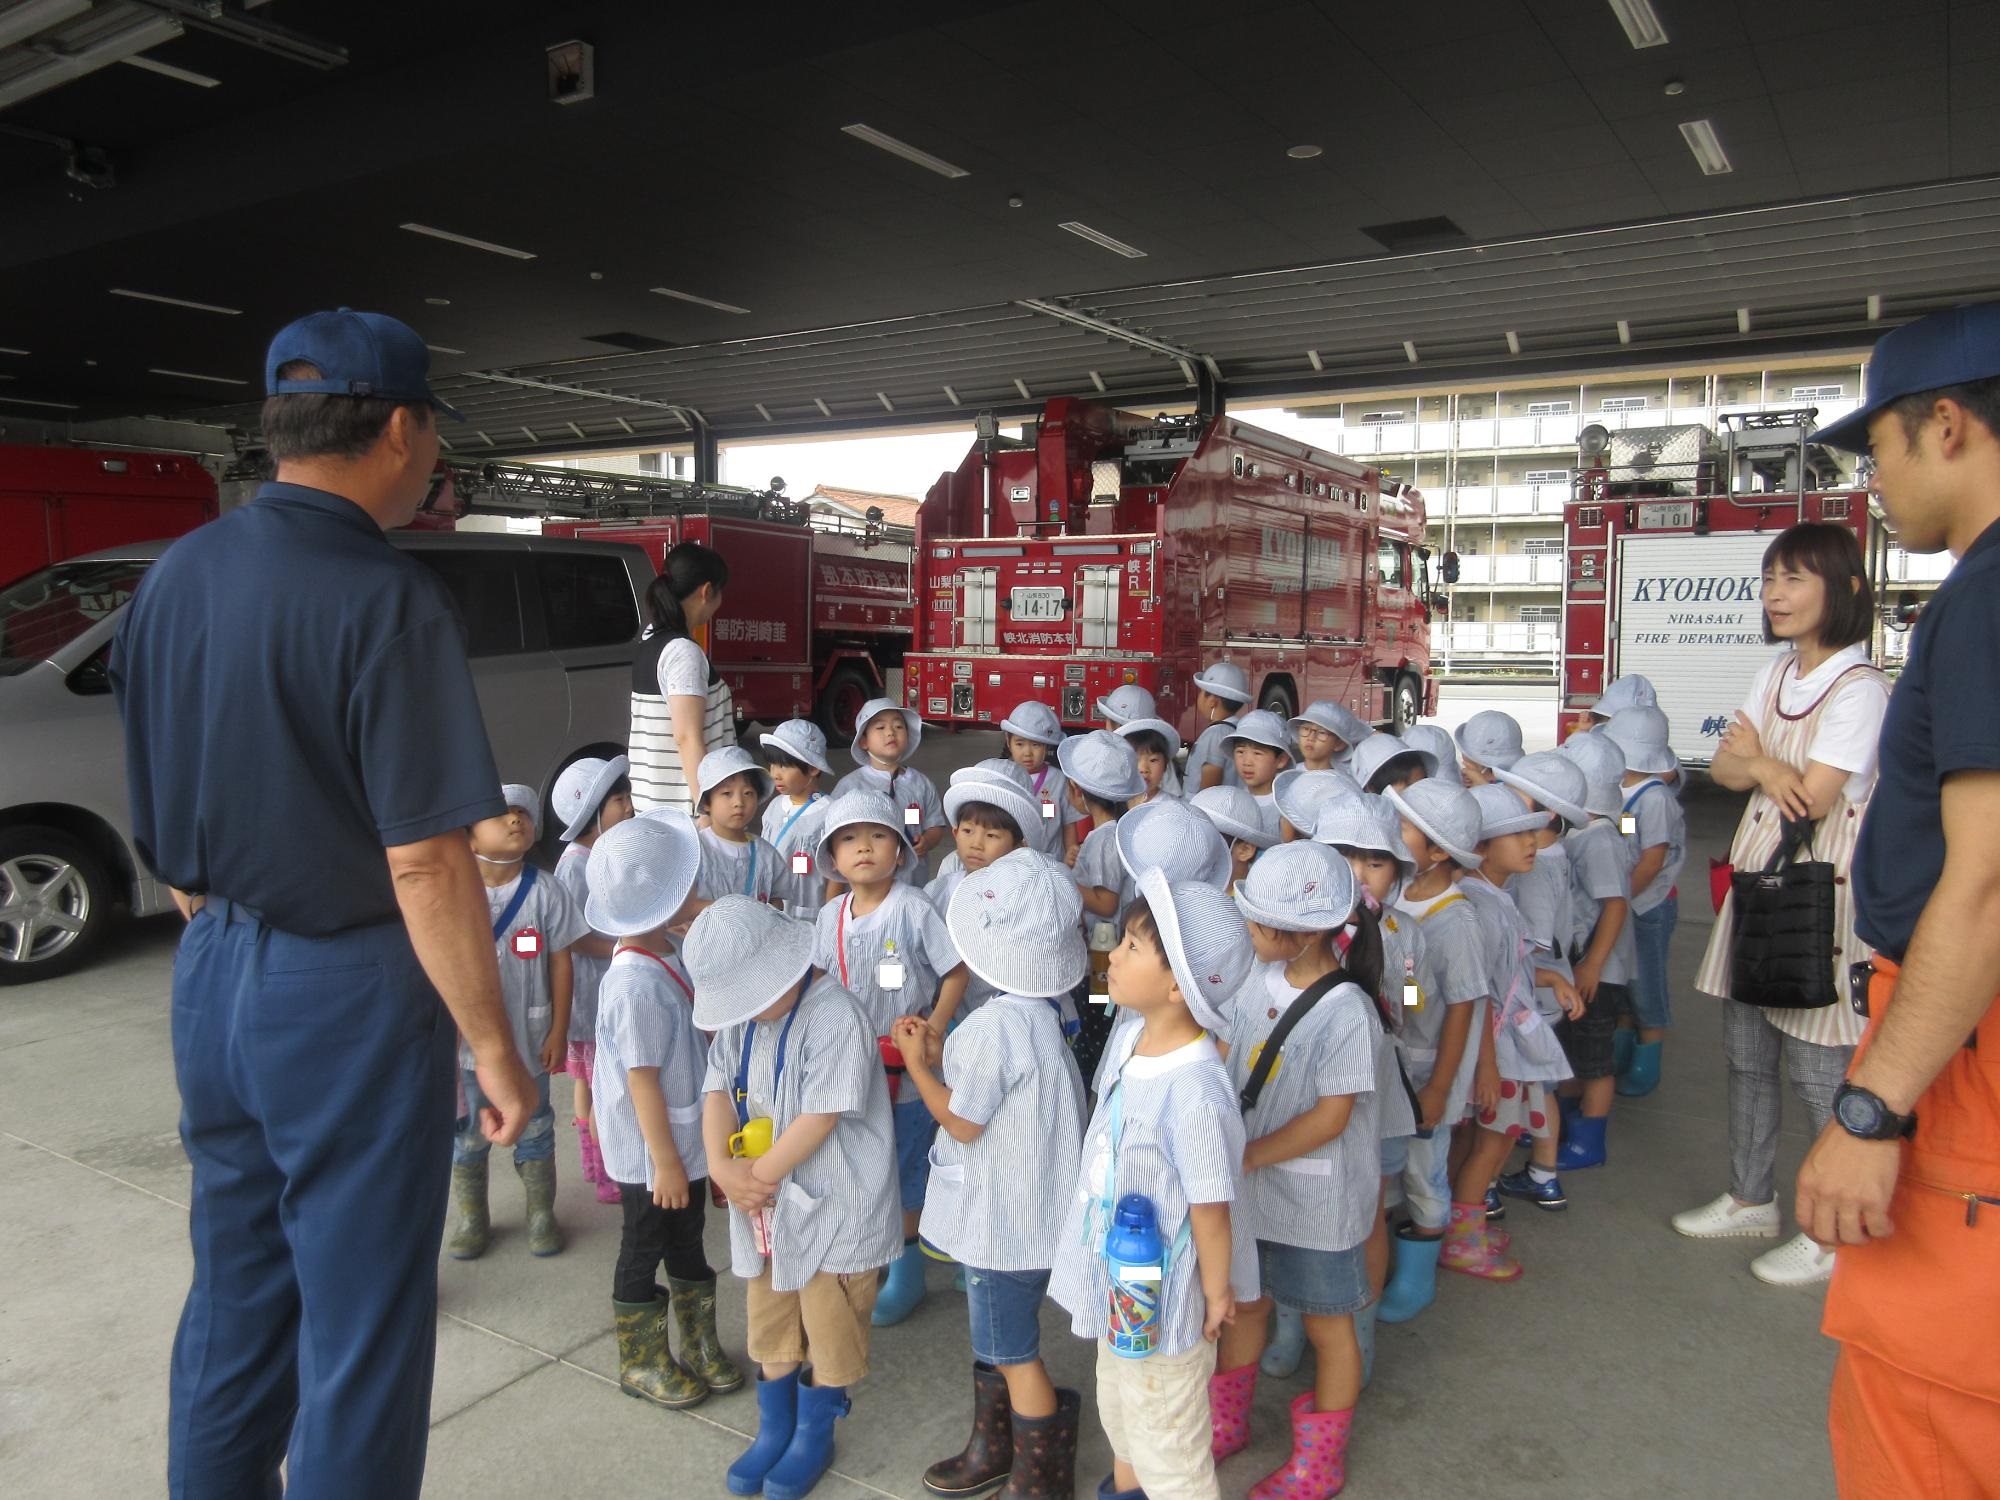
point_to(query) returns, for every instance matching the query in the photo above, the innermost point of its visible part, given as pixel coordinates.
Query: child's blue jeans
(1652, 935)
(537, 1142)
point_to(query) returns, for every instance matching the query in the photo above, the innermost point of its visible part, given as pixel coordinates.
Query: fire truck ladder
(591, 495)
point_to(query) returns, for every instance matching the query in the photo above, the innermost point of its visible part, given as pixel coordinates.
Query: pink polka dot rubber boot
(1317, 1469)
(1229, 1396)
(1468, 1250)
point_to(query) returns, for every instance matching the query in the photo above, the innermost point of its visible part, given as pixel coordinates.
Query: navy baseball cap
(1946, 348)
(357, 354)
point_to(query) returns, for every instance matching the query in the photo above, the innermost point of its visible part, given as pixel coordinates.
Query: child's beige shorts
(825, 1322)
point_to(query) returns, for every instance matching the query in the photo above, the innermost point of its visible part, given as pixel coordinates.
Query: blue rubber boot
(903, 1290)
(777, 1418)
(1584, 1145)
(811, 1452)
(1639, 1080)
(1105, 1492)
(1364, 1334)
(1568, 1107)
(1287, 1347)
(1623, 1040)
(1414, 1286)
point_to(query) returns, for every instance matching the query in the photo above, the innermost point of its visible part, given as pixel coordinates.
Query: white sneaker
(1726, 1219)
(1797, 1262)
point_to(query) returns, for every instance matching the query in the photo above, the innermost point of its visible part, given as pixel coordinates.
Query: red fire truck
(1665, 536)
(1111, 548)
(63, 502)
(817, 611)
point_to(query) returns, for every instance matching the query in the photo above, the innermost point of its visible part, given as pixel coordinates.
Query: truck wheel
(1277, 699)
(840, 704)
(1406, 704)
(55, 903)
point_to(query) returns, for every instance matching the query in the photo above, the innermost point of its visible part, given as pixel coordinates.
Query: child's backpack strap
(520, 900)
(1267, 1056)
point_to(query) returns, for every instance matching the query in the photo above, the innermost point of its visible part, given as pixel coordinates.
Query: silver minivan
(551, 625)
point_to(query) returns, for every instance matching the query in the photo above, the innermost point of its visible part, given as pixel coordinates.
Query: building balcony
(1916, 567)
(1495, 643)
(1510, 570)
(1472, 434)
(1508, 501)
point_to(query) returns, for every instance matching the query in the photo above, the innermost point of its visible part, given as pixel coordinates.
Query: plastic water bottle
(1136, 1256)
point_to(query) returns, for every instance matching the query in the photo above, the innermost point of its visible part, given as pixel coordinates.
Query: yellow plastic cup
(754, 1139)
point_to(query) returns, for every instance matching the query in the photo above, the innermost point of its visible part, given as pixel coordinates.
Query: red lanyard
(840, 936)
(679, 982)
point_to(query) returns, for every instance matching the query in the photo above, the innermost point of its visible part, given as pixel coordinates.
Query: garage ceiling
(1502, 186)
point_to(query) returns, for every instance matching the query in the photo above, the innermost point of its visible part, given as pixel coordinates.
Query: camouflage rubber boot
(474, 1229)
(538, 1182)
(645, 1368)
(701, 1348)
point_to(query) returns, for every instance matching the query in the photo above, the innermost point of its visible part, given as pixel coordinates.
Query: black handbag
(1782, 956)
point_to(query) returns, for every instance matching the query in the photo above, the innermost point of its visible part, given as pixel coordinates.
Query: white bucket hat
(1160, 727)
(742, 954)
(1435, 741)
(1491, 738)
(516, 795)
(1261, 727)
(1501, 812)
(994, 769)
(994, 791)
(1630, 691)
(1102, 764)
(1303, 887)
(641, 872)
(731, 760)
(872, 710)
(1302, 793)
(1236, 815)
(1642, 734)
(1554, 780)
(1336, 719)
(1035, 721)
(1170, 835)
(1447, 815)
(1225, 680)
(581, 790)
(1364, 822)
(1206, 942)
(1123, 704)
(846, 812)
(1018, 924)
(1603, 764)
(801, 739)
(1378, 750)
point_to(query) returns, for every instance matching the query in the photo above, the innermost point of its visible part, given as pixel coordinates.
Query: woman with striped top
(1804, 746)
(681, 707)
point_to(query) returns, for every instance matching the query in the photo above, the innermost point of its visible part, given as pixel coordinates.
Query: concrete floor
(1626, 1360)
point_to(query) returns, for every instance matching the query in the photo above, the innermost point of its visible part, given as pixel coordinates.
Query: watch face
(1859, 1114)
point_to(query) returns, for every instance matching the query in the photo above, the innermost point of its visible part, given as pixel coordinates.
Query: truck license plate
(1665, 516)
(1037, 604)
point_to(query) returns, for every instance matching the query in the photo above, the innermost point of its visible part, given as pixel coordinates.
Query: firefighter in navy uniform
(305, 752)
(1906, 1179)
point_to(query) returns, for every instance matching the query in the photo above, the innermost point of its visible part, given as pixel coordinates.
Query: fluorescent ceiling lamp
(24, 401)
(905, 150)
(1700, 136)
(22, 352)
(19, 22)
(125, 291)
(168, 70)
(1099, 238)
(190, 375)
(465, 239)
(728, 307)
(58, 68)
(443, 349)
(1641, 23)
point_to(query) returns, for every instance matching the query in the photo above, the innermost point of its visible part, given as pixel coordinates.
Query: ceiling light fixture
(191, 375)
(1624, 331)
(1874, 315)
(1410, 351)
(1513, 342)
(56, 405)
(443, 349)
(1098, 381)
(1742, 320)
(168, 70)
(952, 396)
(1304, 153)
(19, 22)
(823, 411)
(1674, 88)
(1641, 23)
(22, 352)
(1099, 238)
(1313, 359)
(57, 68)
(887, 405)
(1708, 152)
(904, 149)
(437, 302)
(1022, 386)
(125, 291)
(467, 240)
(728, 307)
(762, 410)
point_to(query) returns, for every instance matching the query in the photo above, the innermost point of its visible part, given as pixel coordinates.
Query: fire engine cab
(1107, 548)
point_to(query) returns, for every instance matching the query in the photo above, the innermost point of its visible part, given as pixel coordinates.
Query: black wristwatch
(1863, 1115)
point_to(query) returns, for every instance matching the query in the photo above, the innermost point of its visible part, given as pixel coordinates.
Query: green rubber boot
(645, 1368)
(474, 1230)
(701, 1347)
(538, 1182)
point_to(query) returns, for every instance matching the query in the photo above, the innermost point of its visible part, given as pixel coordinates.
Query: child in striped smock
(795, 759)
(734, 860)
(1033, 733)
(886, 735)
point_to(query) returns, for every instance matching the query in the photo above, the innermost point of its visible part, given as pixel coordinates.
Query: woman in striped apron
(681, 708)
(1803, 746)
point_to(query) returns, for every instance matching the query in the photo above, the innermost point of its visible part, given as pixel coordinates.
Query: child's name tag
(1048, 810)
(1627, 824)
(889, 973)
(1138, 1273)
(1412, 996)
(912, 815)
(527, 943)
(802, 863)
